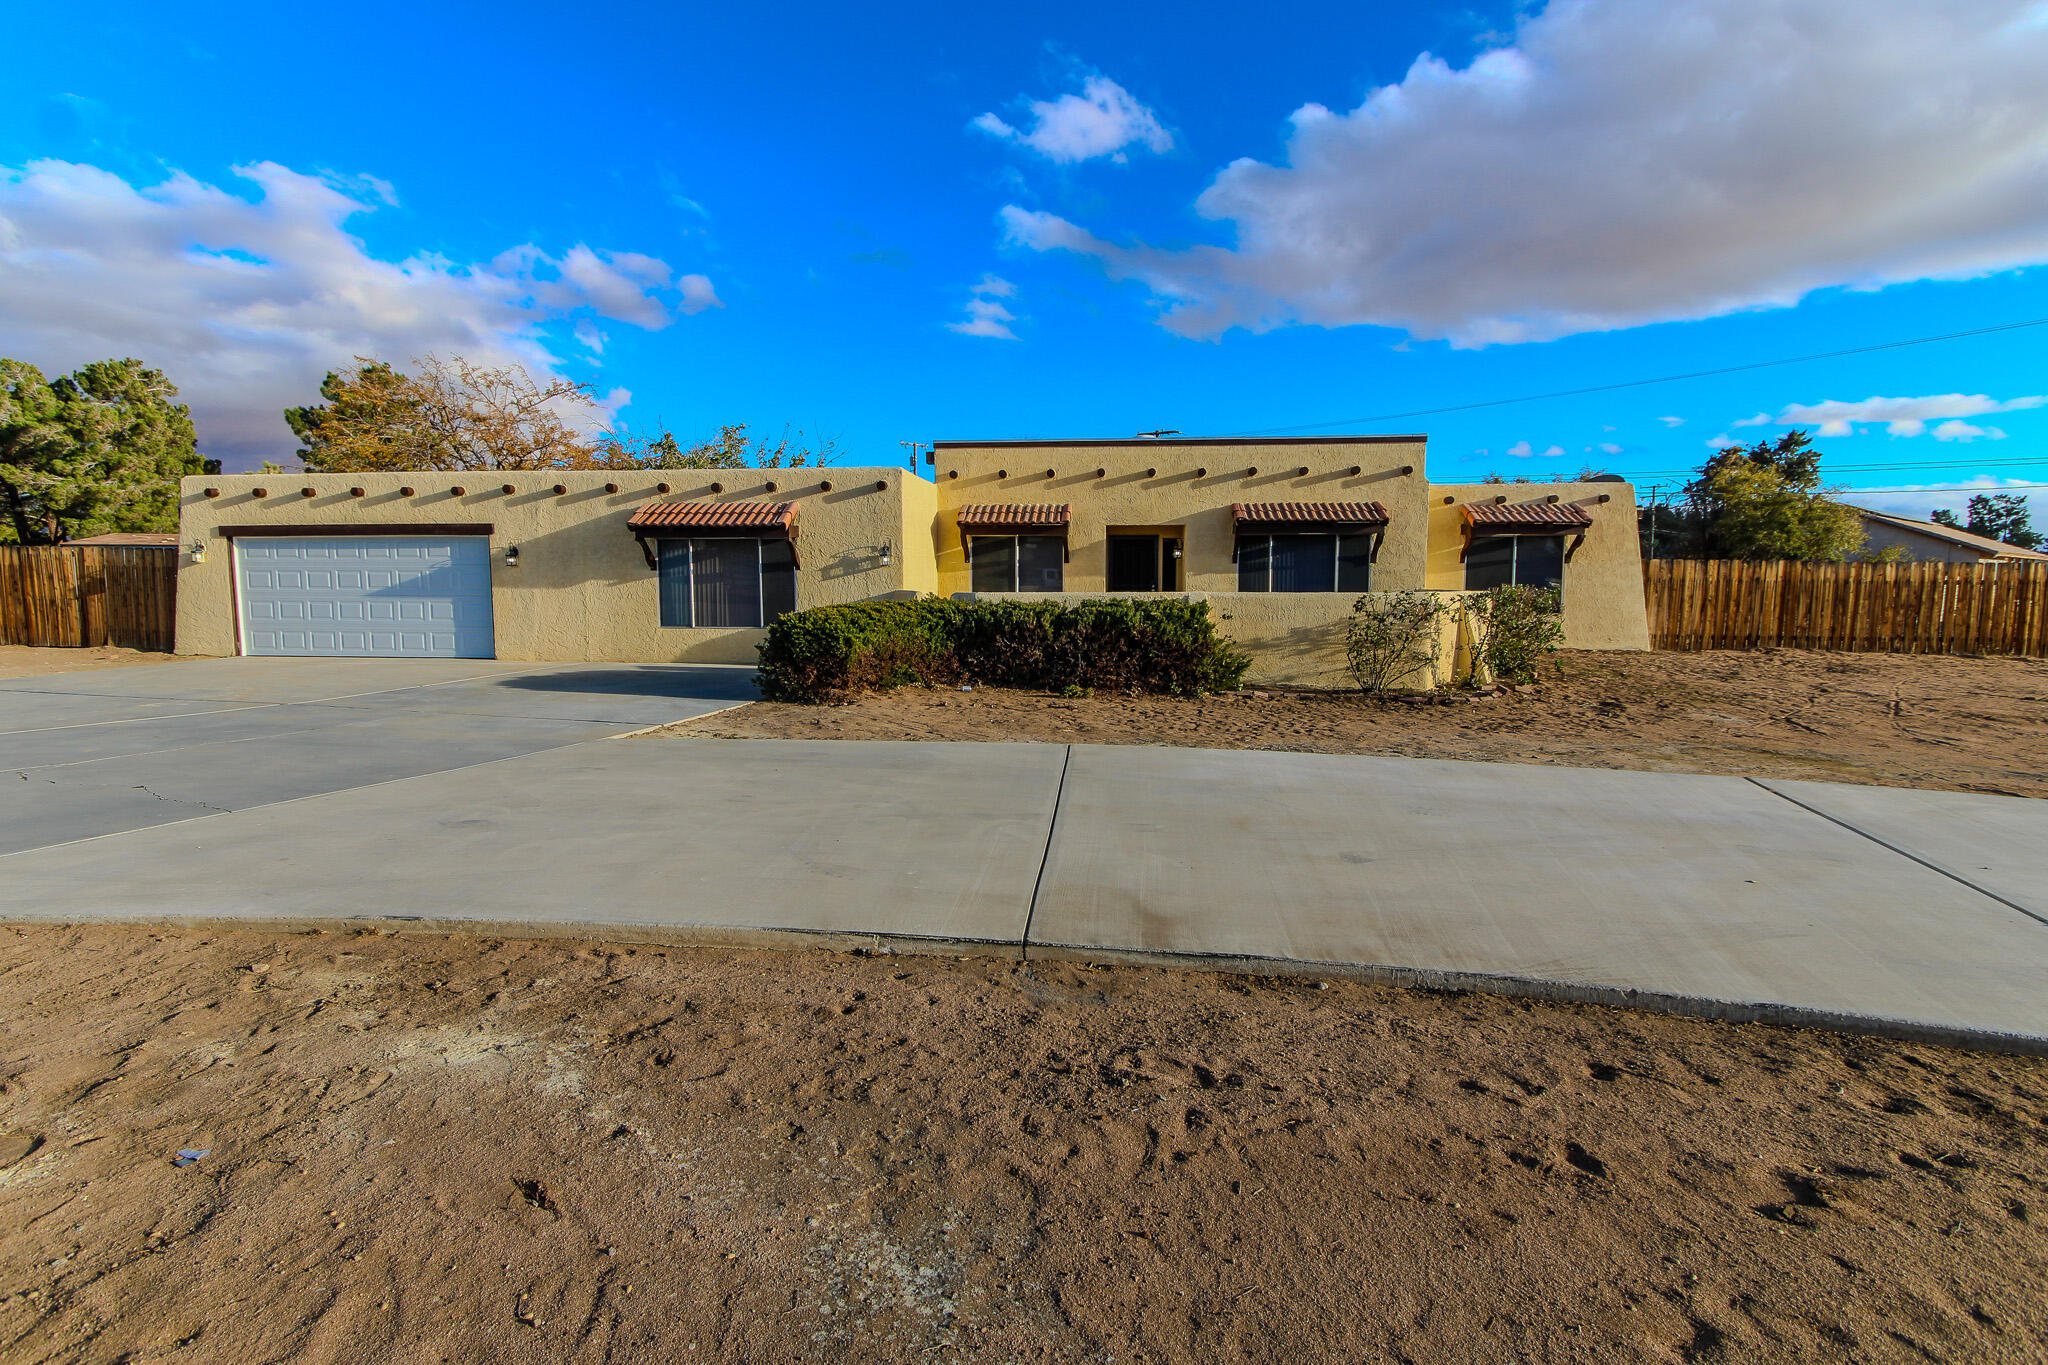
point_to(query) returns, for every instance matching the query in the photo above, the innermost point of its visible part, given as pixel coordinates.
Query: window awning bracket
(1573, 548)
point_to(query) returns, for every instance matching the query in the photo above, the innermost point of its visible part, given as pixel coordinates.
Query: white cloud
(1522, 450)
(986, 317)
(1627, 163)
(1761, 419)
(1100, 121)
(1964, 431)
(1901, 416)
(1609, 448)
(1722, 442)
(1672, 421)
(247, 304)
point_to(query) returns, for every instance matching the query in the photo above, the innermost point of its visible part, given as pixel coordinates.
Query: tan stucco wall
(582, 589)
(1603, 584)
(1294, 638)
(1883, 535)
(1179, 494)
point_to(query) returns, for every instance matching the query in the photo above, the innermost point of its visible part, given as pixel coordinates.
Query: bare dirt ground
(27, 661)
(457, 1149)
(1957, 724)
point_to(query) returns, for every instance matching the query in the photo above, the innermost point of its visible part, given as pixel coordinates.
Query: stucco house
(1280, 536)
(1930, 540)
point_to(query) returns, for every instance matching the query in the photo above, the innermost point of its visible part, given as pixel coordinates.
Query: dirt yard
(1956, 724)
(427, 1148)
(26, 661)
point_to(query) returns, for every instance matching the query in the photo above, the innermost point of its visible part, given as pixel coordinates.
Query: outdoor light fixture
(511, 556)
(198, 552)
(888, 552)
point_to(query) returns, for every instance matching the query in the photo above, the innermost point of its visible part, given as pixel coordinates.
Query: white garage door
(424, 596)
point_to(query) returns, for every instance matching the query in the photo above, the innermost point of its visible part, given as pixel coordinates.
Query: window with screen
(1018, 563)
(1495, 561)
(726, 581)
(1296, 562)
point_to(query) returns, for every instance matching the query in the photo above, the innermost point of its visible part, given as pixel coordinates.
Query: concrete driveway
(96, 753)
(493, 797)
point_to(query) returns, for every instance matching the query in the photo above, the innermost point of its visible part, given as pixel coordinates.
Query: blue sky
(913, 222)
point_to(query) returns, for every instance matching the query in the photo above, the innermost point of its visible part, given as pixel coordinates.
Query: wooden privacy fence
(1873, 608)
(88, 595)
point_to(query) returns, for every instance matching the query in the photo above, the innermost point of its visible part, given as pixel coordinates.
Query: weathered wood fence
(88, 595)
(1875, 608)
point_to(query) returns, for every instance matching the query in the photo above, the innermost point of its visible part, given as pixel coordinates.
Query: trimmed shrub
(1168, 646)
(1516, 625)
(1392, 636)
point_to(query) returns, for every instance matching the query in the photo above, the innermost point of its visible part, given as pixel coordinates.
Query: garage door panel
(366, 595)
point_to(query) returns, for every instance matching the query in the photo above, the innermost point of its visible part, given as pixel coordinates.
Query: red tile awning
(1016, 518)
(713, 518)
(1310, 516)
(1525, 518)
(764, 520)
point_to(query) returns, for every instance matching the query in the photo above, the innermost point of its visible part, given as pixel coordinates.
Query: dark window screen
(1041, 564)
(1490, 562)
(719, 581)
(1354, 563)
(1539, 561)
(674, 574)
(1535, 561)
(778, 579)
(725, 582)
(995, 563)
(1019, 564)
(1254, 563)
(1304, 563)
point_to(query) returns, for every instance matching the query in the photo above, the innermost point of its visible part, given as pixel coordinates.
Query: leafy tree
(731, 449)
(1766, 502)
(2001, 516)
(452, 414)
(98, 450)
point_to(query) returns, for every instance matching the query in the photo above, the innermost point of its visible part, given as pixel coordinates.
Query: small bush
(1516, 626)
(1392, 636)
(1169, 646)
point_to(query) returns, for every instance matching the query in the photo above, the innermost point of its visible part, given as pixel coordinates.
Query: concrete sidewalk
(1910, 913)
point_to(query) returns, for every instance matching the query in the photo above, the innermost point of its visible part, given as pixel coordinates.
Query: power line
(1636, 383)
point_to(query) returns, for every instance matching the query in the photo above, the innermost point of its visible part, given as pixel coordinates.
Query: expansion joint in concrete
(1903, 853)
(1045, 855)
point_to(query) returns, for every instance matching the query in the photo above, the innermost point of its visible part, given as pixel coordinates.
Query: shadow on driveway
(642, 680)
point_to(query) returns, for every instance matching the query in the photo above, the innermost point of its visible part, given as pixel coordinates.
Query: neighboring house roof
(128, 538)
(1969, 540)
(766, 516)
(1014, 516)
(1186, 441)
(1526, 516)
(1309, 513)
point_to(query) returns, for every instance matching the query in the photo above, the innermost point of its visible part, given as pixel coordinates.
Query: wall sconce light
(888, 553)
(511, 556)
(198, 552)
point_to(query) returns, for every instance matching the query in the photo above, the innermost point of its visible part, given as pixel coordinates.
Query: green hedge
(1168, 645)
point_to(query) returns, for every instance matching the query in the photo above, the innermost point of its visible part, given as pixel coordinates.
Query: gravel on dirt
(28, 661)
(1934, 721)
(428, 1148)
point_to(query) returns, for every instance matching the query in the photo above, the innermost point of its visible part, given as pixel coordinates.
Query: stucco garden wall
(582, 589)
(1295, 638)
(1603, 584)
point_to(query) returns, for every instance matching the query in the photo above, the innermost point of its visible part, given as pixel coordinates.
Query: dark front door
(1134, 563)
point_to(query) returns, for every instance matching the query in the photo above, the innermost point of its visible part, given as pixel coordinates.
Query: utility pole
(913, 447)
